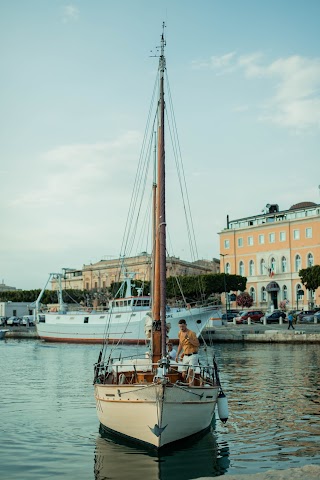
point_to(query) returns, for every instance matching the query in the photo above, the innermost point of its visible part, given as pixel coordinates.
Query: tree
(244, 300)
(310, 277)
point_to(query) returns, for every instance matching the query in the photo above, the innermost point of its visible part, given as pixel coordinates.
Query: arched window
(263, 294)
(273, 264)
(262, 267)
(284, 292)
(298, 287)
(241, 268)
(283, 264)
(310, 260)
(253, 294)
(297, 263)
(228, 269)
(251, 267)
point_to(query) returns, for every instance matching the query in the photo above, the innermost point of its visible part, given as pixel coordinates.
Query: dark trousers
(290, 325)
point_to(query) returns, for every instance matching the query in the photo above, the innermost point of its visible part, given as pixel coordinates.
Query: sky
(75, 88)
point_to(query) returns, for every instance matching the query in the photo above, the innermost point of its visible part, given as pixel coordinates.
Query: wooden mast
(160, 301)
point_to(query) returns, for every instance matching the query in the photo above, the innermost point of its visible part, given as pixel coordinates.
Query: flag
(271, 272)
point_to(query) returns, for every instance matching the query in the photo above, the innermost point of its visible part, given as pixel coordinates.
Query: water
(49, 427)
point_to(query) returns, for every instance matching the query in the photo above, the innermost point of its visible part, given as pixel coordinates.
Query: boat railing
(143, 370)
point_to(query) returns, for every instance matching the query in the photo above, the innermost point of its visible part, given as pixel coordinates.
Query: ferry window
(86, 320)
(240, 242)
(308, 232)
(118, 316)
(101, 316)
(227, 244)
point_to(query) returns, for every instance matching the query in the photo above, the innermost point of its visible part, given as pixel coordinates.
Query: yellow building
(100, 275)
(270, 249)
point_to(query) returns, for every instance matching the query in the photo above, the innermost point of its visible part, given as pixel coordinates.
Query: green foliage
(310, 277)
(194, 287)
(244, 300)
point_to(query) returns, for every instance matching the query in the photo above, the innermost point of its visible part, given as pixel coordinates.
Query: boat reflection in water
(193, 458)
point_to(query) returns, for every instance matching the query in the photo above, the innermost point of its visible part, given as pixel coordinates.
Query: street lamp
(225, 285)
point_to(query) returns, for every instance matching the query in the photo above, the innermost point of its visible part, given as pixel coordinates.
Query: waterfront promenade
(258, 333)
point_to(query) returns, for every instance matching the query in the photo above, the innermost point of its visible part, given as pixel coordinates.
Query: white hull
(126, 327)
(155, 414)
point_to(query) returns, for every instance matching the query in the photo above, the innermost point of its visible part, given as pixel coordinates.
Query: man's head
(169, 347)
(182, 325)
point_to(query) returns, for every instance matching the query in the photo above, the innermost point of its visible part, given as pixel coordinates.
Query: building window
(273, 265)
(87, 286)
(284, 292)
(250, 241)
(240, 242)
(261, 239)
(251, 267)
(104, 284)
(310, 260)
(298, 287)
(272, 237)
(262, 267)
(297, 263)
(296, 234)
(241, 268)
(253, 294)
(263, 294)
(227, 244)
(283, 264)
(309, 232)
(228, 269)
(282, 236)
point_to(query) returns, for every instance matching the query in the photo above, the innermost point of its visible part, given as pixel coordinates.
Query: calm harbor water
(49, 427)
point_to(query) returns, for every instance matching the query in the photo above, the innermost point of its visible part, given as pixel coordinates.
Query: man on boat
(189, 343)
(171, 351)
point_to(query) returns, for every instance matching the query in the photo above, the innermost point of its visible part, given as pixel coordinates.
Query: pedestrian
(290, 320)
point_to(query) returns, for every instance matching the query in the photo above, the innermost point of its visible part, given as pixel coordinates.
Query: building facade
(270, 249)
(99, 276)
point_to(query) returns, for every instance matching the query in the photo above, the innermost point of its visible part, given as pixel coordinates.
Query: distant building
(270, 249)
(15, 309)
(101, 274)
(6, 288)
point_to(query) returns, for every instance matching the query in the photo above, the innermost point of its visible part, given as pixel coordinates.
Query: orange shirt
(187, 346)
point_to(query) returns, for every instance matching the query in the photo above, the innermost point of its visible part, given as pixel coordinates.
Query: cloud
(294, 86)
(70, 13)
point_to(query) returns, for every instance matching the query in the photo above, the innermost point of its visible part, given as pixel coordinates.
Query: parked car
(13, 321)
(305, 313)
(254, 315)
(307, 319)
(3, 320)
(274, 317)
(27, 320)
(230, 316)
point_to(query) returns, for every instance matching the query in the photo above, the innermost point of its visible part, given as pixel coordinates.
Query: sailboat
(148, 398)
